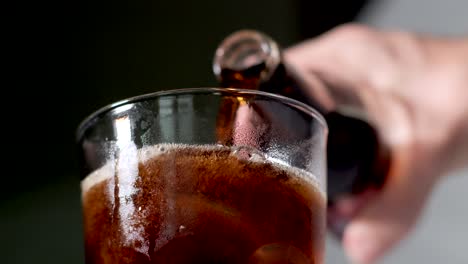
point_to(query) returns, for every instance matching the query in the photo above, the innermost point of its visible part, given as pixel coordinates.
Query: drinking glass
(204, 175)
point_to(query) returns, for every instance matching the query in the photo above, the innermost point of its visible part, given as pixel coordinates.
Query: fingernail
(360, 244)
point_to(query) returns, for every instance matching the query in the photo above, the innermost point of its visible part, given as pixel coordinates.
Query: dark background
(66, 60)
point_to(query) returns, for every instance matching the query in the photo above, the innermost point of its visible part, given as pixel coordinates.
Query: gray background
(122, 50)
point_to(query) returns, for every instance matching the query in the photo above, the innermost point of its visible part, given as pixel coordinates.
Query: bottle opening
(247, 49)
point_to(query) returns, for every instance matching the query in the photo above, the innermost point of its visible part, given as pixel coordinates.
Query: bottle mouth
(245, 49)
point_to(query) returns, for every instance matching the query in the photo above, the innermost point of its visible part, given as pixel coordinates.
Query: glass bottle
(358, 161)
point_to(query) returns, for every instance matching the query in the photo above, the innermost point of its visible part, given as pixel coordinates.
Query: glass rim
(86, 123)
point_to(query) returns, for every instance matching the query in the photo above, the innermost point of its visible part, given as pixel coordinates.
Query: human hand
(414, 89)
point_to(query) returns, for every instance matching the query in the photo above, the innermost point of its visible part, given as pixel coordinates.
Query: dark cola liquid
(357, 160)
(201, 204)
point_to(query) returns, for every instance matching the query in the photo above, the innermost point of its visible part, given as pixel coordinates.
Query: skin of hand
(414, 89)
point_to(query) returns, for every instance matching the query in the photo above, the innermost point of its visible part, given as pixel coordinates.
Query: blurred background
(65, 60)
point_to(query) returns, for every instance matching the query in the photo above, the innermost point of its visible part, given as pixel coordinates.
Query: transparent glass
(204, 175)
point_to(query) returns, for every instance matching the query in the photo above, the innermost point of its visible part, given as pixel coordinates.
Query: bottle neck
(249, 59)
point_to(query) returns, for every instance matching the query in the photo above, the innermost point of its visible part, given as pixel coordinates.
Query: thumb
(389, 216)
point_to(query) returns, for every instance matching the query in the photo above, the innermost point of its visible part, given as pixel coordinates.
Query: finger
(343, 57)
(345, 208)
(334, 76)
(351, 59)
(387, 218)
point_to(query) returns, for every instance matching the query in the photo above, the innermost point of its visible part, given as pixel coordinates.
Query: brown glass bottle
(358, 161)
